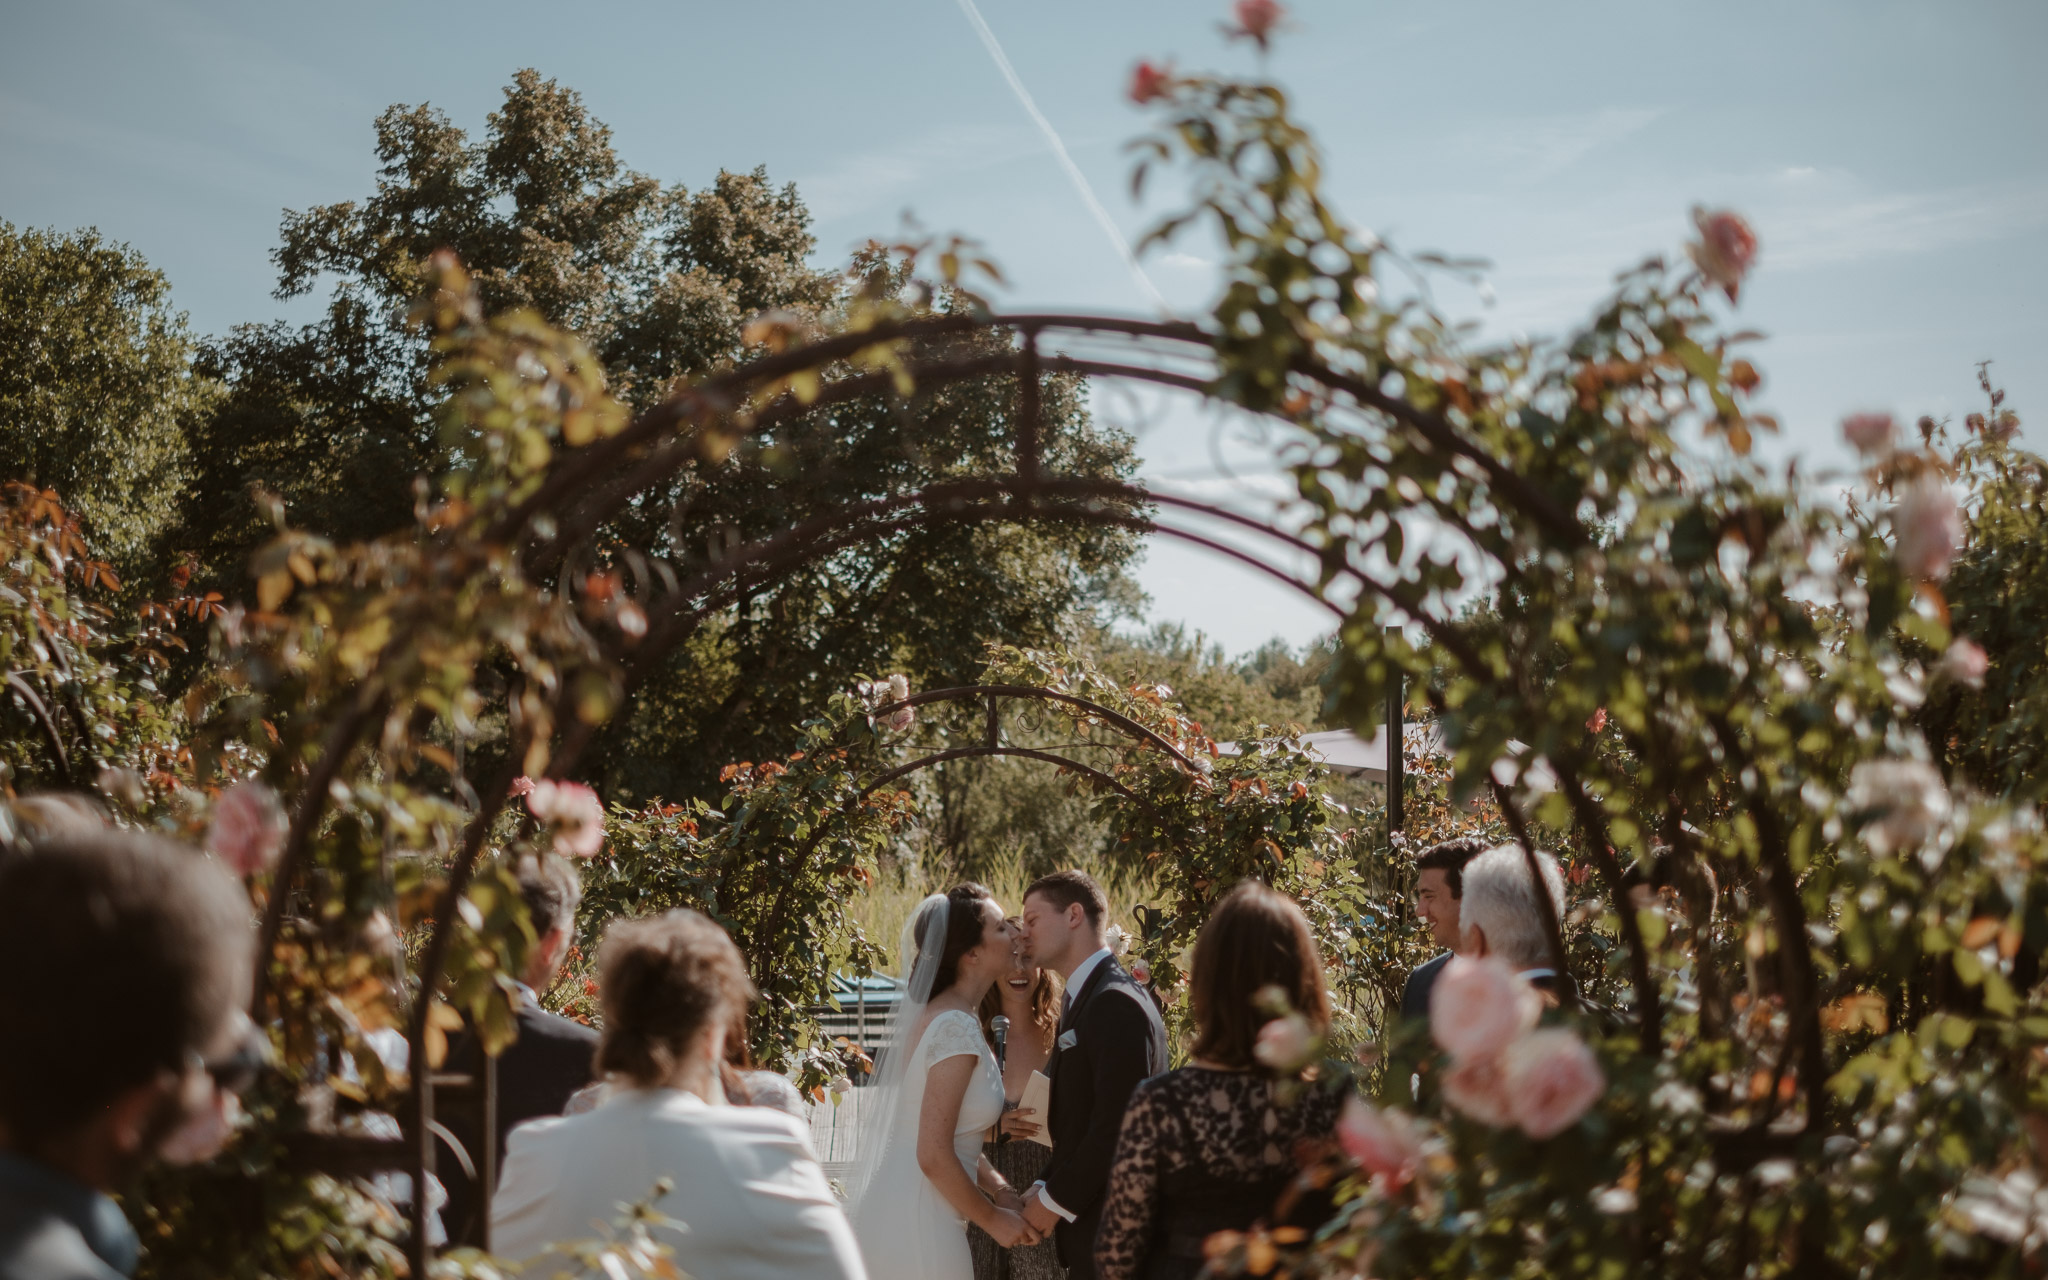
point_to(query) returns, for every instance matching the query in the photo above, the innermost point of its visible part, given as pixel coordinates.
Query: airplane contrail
(1059, 150)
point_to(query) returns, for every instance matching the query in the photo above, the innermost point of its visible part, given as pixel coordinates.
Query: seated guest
(748, 1086)
(540, 1070)
(1439, 885)
(1502, 915)
(128, 962)
(742, 1179)
(745, 1084)
(1211, 1147)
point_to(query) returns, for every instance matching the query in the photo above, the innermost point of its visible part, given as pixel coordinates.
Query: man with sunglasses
(125, 964)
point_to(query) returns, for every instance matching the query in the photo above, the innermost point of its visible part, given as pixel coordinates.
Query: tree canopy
(97, 390)
(336, 420)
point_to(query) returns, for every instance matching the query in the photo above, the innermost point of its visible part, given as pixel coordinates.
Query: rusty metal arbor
(589, 487)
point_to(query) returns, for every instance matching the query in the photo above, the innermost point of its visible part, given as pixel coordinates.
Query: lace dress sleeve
(951, 1035)
(1125, 1237)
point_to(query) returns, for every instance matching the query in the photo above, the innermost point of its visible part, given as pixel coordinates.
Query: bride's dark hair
(964, 928)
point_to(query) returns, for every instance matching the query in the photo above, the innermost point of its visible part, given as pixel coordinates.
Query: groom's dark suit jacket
(1110, 1039)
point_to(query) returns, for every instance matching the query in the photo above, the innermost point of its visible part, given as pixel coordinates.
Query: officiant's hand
(1008, 1229)
(1019, 1123)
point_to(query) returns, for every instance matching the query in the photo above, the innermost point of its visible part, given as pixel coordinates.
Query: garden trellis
(1831, 1072)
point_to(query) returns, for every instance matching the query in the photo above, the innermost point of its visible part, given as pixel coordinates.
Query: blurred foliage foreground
(1784, 740)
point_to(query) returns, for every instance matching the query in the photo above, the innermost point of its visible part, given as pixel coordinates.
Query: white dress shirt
(745, 1183)
(1075, 982)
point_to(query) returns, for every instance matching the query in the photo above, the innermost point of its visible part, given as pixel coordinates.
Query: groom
(1110, 1038)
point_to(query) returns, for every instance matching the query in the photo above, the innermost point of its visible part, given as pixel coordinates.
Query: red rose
(1149, 82)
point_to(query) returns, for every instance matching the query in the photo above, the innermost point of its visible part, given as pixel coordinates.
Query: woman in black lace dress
(1030, 999)
(1211, 1147)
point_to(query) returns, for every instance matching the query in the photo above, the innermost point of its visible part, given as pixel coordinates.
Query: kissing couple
(920, 1175)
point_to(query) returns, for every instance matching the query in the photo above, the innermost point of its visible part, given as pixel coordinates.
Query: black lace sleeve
(1129, 1212)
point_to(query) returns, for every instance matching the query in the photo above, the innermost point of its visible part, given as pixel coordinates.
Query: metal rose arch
(590, 486)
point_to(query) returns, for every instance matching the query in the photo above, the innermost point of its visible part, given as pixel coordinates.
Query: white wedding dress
(906, 1230)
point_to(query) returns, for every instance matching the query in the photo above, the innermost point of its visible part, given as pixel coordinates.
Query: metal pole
(488, 1182)
(1397, 744)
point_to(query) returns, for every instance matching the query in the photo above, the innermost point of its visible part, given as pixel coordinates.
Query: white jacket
(755, 1201)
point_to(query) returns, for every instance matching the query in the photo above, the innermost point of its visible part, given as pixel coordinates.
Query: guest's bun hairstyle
(1065, 889)
(1255, 938)
(665, 981)
(125, 956)
(965, 925)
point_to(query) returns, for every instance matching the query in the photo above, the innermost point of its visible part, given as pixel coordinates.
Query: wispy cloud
(1846, 224)
(1531, 148)
(876, 178)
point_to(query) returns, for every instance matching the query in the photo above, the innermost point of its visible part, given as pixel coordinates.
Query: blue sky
(1893, 158)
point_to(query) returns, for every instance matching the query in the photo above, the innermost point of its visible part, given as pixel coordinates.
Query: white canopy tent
(1343, 752)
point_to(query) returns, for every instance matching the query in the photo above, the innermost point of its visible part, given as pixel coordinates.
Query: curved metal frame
(991, 745)
(588, 487)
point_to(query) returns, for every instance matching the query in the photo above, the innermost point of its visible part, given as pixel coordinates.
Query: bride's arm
(945, 1084)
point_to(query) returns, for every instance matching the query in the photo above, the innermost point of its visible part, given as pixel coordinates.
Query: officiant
(1021, 1016)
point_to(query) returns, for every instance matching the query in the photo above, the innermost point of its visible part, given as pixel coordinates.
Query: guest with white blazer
(743, 1179)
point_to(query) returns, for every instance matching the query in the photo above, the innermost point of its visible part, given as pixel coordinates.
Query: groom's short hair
(1064, 889)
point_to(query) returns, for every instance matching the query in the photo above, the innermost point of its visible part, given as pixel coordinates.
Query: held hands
(1007, 1198)
(1040, 1218)
(1018, 1123)
(1009, 1229)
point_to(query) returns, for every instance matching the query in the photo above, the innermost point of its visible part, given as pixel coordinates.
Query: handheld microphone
(1000, 1024)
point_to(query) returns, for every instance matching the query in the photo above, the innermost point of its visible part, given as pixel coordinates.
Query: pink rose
(1141, 972)
(1927, 527)
(1908, 797)
(1384, 1143)
(1149, 82)
(248, 828)
(1869, 432)
(1285, 1044)
(522, 785)
(1478, 1005)
(575, 814)
(1256, 19)
(896, 689)
(1965, 663)
(1551, 1080)
(1477, 1087)
(1726, 248)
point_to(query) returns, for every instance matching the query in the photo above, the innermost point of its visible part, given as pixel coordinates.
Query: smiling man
(1439, 890)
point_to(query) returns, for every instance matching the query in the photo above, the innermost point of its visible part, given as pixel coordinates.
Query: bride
(920, 1177)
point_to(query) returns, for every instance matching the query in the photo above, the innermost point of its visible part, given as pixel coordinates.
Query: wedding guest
(747, 1085)
(1439, 887)
(541, 1069)
(754, 1202)
(1503, 915)
(1029, 996)
(1211, 1146)
(128, 962)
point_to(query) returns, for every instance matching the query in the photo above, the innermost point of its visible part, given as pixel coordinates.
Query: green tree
(97, 388)
(660, 282)
(981, 814)
(1987, 724)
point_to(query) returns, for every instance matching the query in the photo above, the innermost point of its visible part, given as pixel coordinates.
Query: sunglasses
(237, 1070)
